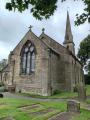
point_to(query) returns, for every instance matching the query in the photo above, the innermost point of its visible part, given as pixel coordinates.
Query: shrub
(56, 92)
(87, 79)
(1, 84)
(2, 89)
(75, 89)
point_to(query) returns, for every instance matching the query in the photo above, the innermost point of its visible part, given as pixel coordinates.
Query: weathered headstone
(81, 93)
(73, 106)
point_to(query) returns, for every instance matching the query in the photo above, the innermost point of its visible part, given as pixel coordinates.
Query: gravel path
(12, 95)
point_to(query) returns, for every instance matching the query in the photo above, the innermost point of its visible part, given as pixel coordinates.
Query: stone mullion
(26, 64)
(30, 62)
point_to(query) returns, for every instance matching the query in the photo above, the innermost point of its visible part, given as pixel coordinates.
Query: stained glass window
(28, 58)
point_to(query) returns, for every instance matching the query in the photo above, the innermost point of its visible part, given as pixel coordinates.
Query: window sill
(22, 74)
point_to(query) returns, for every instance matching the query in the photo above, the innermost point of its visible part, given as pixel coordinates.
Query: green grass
(65, 95)
(88, 89)
(10, 107)
(59, 94)
(88, 101)
(84, 115)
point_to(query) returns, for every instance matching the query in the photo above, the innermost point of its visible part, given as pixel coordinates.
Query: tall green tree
(88, 68)
(84, 53)
(45, 8)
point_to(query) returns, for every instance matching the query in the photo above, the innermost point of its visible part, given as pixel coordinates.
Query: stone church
(40, 65)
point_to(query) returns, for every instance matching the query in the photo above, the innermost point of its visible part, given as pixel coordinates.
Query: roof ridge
(52, 39)
(60, 45)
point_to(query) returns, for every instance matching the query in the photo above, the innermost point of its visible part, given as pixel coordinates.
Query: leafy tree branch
(84, 53)
(45, 8)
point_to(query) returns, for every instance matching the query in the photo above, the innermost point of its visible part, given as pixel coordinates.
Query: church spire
(68, 34)
(68, 42)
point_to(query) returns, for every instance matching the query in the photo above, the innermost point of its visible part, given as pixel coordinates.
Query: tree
(88, 68)
(3, 63)
(84, 53)
(45, 8)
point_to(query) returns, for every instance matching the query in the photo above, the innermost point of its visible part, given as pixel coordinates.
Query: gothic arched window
(28, 58)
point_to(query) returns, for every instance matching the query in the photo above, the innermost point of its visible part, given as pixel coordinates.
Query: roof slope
(53, 44)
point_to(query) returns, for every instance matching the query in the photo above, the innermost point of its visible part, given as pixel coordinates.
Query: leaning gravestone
(73, 106)
(81, 93)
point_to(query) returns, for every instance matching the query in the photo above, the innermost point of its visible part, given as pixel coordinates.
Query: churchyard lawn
(88, 89)
(21, 109)
(56, 96)
(84, 115)
(26, 109)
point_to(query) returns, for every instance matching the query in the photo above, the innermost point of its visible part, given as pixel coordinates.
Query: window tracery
(28, 58)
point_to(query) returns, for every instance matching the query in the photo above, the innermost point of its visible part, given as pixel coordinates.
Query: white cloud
(3, 51)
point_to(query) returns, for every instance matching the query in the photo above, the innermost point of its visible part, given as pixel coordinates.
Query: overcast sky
(14, 25)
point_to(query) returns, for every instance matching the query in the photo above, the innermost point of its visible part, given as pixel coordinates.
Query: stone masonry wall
(36, 82)
(55, 68)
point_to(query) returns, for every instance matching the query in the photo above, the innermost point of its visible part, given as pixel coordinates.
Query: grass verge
(10, 107)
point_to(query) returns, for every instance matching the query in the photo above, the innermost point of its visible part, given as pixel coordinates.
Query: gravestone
(73, 106)
(81, 93)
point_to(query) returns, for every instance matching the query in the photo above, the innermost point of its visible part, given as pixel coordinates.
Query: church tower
(68, 42)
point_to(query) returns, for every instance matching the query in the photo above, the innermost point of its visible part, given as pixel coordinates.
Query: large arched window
(28, 58)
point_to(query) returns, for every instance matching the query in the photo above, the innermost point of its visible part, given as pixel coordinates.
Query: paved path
(12, 95)
(18, 96)
(63, 116)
